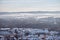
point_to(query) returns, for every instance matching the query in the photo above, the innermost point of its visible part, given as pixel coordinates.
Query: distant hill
(30, 12)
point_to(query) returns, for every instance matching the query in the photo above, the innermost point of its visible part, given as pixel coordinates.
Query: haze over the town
(29, 5)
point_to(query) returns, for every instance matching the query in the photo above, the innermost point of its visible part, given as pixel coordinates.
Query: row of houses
(28, 34)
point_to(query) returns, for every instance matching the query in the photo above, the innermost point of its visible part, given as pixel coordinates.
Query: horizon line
(31, 11)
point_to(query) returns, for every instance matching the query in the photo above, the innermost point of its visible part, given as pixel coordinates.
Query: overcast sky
(29, 5)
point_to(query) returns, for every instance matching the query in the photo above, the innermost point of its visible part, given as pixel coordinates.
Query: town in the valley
(28, 34)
